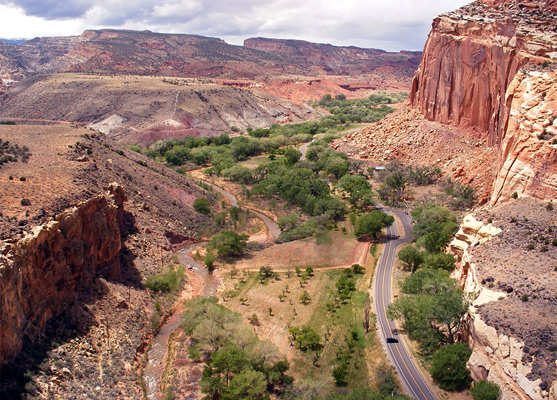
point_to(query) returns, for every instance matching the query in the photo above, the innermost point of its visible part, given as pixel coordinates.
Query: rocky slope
(45, 270)
(511, 325)
(72, 260)
(146, 109)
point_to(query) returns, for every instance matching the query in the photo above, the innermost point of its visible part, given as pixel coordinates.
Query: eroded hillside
(83, 222)
(137, 109)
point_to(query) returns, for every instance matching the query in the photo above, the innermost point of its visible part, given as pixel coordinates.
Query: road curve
(409, 374)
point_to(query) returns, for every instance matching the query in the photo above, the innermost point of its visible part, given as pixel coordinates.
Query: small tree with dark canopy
(448, 366)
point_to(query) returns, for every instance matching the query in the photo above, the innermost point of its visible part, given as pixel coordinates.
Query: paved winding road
(409, 374)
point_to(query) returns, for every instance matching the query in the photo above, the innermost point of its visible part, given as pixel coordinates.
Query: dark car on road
(392, 340)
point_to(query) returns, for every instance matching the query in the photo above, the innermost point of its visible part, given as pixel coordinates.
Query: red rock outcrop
(527, 161)
(43, 272)
(471, 57)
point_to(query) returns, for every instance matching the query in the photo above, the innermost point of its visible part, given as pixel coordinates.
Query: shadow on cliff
(129, 274)
(43, 354)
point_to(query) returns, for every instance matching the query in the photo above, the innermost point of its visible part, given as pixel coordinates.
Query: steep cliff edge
(42, 273)
(471, 57)
(527, 161)
(490, 66)
(511, 325)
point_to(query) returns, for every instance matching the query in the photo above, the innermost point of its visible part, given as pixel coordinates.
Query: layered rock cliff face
(527, 162)
(471, 58)
(42, 273)
(469, 76)
(510, 325)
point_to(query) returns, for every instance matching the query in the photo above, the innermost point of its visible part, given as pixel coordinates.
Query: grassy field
(255, 162)
(246, 294)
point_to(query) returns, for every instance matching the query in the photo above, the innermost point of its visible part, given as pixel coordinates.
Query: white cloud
(382, 24)
(182, 9)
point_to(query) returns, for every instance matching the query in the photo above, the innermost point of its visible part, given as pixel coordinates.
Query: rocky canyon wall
(527, 161)
(43, 272)
(496, 356)
(472, 75)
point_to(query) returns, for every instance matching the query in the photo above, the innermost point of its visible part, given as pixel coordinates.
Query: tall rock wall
(527, 160)
(43, 272)
(469, 76)
(466, 68)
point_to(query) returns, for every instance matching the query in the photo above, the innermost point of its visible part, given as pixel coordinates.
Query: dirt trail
(273, 228)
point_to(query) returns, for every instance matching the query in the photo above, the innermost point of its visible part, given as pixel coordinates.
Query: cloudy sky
(386, 24)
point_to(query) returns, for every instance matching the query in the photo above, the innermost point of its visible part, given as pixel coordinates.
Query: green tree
(229, 244)
(485, 390)
(411, 257)
(291, 156)
(440, 261)
(435, 242)
(305, 298)
(238, 173)
(209, 261)
(372, 224)
(448, 366)
(230, 359)
(358, 190)
(235, 213)
(339, 374)
(305, 338)
(433, 310)
(432, 218)
(397, 185)
(248, 384)
(201, 205)
(289, 221)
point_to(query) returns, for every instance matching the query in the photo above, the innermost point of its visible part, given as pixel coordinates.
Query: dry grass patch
(330, 250)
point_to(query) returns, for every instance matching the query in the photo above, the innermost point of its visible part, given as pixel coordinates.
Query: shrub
(201, 205)
(448, 366)
(485, 390)
(169, 281)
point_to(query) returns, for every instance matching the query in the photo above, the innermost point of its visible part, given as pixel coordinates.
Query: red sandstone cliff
(470, 62)
(42, 273)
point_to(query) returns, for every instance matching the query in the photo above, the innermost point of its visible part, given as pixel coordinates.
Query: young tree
(209, 261)
(305, 298)
(411, 257)
(448, 366)
(357, 269)
(372, 224)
